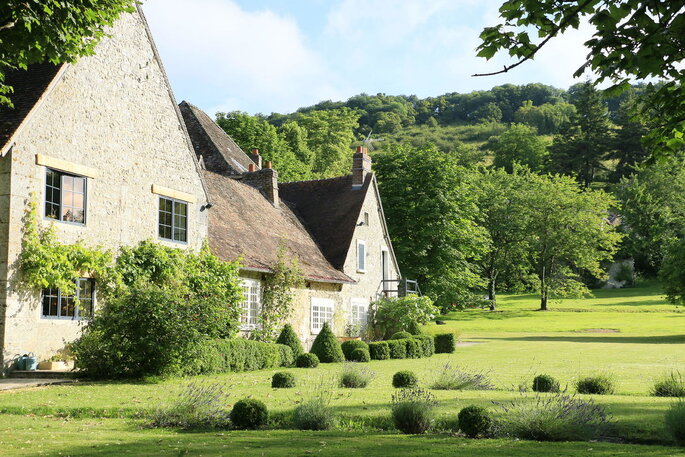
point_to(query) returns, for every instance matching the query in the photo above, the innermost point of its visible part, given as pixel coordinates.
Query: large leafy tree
(432, 217)
(36, 31)
(633, 39)
(519, 145)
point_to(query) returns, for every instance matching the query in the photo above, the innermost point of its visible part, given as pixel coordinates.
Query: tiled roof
(330, 209)
(218, 150)
(244, 223)
(29, 85)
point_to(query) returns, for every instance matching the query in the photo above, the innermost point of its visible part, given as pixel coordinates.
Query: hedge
(398, 350)
(239, 354)
(445, 343)
(379, 350)
(349, 346)
(427, 344)
(414, 349)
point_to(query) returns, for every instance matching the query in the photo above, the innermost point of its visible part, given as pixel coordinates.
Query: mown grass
(513, 345)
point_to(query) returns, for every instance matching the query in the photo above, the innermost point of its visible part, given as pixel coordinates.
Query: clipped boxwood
(398, 350)
(474, 421)
(238, 354)
(414, 328)
(349, 346)
(289, 338)
(413, 348)
(307, 360)
(379, 350)
(445, 343)
(400, 335)
(360, 355)
(545, 383)
(327, 347)
(597, 384)
(404, 378)
(249, 413)
(427, 344)
(282, 380)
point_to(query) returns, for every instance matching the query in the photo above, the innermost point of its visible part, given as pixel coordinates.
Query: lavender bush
(456, 378)
(198, 405)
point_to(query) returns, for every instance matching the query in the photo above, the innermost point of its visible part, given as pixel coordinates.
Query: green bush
(249, 413)
(355, 376)
(238, 354)
(307, 360)
(597, 384)
(197, 406)
(545, 383)
(413, 410)
(398, 314)
(314, 414)
(379, 350)
(414, 349)
(398, 350)
(427, 344)
(557, 417)
(351, 345)
(282, 380)
(445, 343)
(289, 338)
(327, 347)
(474, 421)
(414, 328)
(670, 385)
(405, 378)
(455, 378)
(360, 355)
(675, 422)
(400, 335)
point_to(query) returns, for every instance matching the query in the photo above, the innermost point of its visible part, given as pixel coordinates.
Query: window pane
(361, 256)
(50, 298)
(52, 194)
(180, 221)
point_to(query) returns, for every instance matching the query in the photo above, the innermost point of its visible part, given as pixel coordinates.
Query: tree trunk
(492, 293)
(543, 291)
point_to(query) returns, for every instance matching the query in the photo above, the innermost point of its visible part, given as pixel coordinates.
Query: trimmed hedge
(398, 350)
(427, 344)
(360, 355)
(289, 338)
(400, 336)
(239, 354)
(379, 350)
(445, 343)
(327, 347)
(349, 346)
(414, 349)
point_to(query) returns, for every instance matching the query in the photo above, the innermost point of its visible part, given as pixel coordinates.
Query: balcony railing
(399, 287)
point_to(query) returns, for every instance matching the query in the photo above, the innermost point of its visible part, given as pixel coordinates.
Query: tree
(547, 118)
(36, 31)
(580, 151)
(521, 145)
(432, 214)
(627, 148)
(672, 272)
(568, 234)
(633, 39)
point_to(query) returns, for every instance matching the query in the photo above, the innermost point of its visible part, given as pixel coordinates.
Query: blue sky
(277, 55)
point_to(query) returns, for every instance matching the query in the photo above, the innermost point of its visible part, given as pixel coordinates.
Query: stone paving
(23, 383)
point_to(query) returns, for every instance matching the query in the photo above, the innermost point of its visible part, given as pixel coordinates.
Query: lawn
(632, 334)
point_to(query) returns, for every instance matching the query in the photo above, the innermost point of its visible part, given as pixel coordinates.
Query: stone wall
(113, 113)
(5, 181)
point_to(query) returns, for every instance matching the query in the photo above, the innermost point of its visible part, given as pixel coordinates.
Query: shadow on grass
(604, 338)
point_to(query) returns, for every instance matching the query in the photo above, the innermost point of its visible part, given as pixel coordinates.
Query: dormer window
(65, 197)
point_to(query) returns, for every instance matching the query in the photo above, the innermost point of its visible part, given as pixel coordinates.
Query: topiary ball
(379, 350)
(327, 347)
(349, 346)
(307, 360)
(360, 355)
(400, 336)
(598, 385)
(545, 383)
(474, 421)
(282, 380)
(404, 379)
(249, 413)
(445, 343)
(289, 338)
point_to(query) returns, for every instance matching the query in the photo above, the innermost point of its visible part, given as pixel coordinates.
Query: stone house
(335, 227)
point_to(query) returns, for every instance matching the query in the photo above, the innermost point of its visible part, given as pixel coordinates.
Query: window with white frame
(252, 304)
(361, 256)
(322, 312)
(173, 220)
(359, 317)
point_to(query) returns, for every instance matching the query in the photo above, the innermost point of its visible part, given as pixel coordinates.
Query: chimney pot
(255, 151)
(251, 168)
(267, 164)
(361, 166)
(360, 148)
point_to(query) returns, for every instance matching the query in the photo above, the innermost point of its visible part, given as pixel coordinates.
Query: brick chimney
(361, 166)
(255, 157)
(266, 181)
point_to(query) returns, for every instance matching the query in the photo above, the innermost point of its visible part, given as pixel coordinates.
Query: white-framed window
(252, 304)
(360, 313)
(361, 256)
(173, 220)
(322, 311)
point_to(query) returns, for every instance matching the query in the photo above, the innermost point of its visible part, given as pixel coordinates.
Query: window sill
(167, 240)
(74, 224)
(361, 271)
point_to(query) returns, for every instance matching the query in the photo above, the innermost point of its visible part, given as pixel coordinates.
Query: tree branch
(9, 25)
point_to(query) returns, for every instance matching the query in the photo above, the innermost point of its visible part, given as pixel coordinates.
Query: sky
(264, 56)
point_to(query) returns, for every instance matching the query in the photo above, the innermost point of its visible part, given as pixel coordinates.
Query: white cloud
(235, 59)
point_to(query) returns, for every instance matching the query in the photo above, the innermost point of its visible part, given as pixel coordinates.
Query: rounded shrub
(675, 422)
(400, 335)
(398, 350)
(314, 414)
(349, 346)
(289, 338)
(404, 378)
(545, 383)
(249, 413)
(327, 347)
(598, 385)
(282, 380)
(379, 350)
(474, 421)
(445, 343)
(360, 355)
(307, 360)
(414, 328)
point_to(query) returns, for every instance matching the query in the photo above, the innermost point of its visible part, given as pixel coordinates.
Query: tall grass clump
(675, 422)
(670, 385)
(198, 405)
(558, 417)
(455, 378)
(599, 384)
(356, 376)
(315, 413)
(413, 410)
